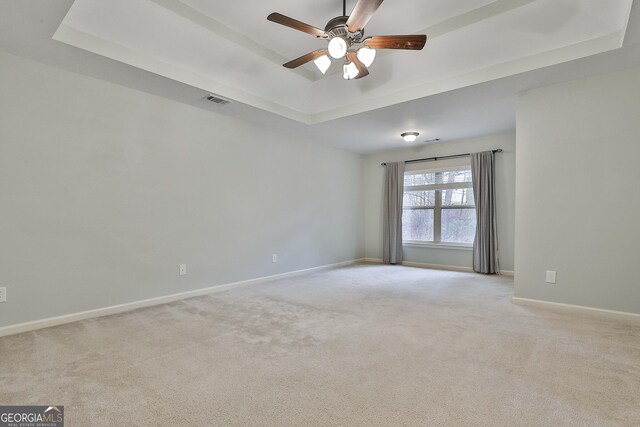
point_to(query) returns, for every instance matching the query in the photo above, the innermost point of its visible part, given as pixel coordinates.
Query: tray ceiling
(230, 49)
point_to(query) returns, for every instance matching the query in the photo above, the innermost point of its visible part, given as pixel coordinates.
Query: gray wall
(505, 187)
(577, 206)
(106, 190)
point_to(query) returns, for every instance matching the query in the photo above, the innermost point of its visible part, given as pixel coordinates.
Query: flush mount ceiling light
(410, 136)
(346, 40)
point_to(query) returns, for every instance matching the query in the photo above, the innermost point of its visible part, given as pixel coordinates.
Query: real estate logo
(32, 416)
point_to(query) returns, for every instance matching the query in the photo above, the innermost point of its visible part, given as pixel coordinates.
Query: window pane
(456, 176)
(458, 225)
(417, 224)
(419, 198)
(423, 178)
(458, 197)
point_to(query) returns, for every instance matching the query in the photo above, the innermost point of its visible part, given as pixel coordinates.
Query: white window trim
(436, 243)
(425, 244)
(433, 187)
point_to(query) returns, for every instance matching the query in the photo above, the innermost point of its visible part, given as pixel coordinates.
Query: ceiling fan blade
(306, 58)
(295, 24)
(410, 42)
(361, 14)
(362, 69)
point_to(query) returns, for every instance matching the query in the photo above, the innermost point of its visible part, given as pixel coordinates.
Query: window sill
(419, 244)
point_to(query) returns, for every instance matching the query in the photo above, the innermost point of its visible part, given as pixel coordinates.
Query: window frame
(438, 207)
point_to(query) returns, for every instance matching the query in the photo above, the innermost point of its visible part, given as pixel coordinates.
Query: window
(438, 207)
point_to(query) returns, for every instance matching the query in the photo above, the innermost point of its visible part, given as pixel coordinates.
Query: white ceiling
(480, 55)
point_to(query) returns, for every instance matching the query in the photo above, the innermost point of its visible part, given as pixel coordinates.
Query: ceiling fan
(345, 36)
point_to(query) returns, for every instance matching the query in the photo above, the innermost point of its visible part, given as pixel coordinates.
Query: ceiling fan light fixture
(366, 55)
(350, 71)
(345, 34)
(337, 47)
(410, 136)
(323, 63)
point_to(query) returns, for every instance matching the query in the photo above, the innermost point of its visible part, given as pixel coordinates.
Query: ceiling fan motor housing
(337, 27)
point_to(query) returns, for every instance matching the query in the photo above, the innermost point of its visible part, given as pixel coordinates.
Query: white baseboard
(435, 266)
(574, 308)
(115, 309)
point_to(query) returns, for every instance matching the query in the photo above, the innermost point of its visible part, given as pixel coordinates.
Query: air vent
(217, 100)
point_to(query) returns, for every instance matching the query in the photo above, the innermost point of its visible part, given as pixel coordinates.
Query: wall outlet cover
(183, 269)
(551, 277)
(3, 294)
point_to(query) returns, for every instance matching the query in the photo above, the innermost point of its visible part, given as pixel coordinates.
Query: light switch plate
(183, 269)
(3, 294)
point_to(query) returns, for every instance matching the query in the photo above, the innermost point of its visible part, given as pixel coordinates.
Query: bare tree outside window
(439, 207)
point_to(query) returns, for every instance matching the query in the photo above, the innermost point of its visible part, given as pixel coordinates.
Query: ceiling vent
(217, 100)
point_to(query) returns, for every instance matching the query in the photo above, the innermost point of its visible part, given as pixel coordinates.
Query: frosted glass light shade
(410, 136)
(366, 55)
(337, 47)
(350, 71)
(323, 63)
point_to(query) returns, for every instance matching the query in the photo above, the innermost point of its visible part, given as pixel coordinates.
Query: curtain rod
(435, 159)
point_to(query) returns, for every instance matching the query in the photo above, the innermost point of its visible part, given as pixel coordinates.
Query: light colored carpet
(367, 345)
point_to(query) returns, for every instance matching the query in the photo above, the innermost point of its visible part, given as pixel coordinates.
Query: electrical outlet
(183, 269)
(3, 294)
(551, 277)
(274, 258)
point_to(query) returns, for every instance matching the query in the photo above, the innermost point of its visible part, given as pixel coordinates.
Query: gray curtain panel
(392, 217)
(485, 245)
